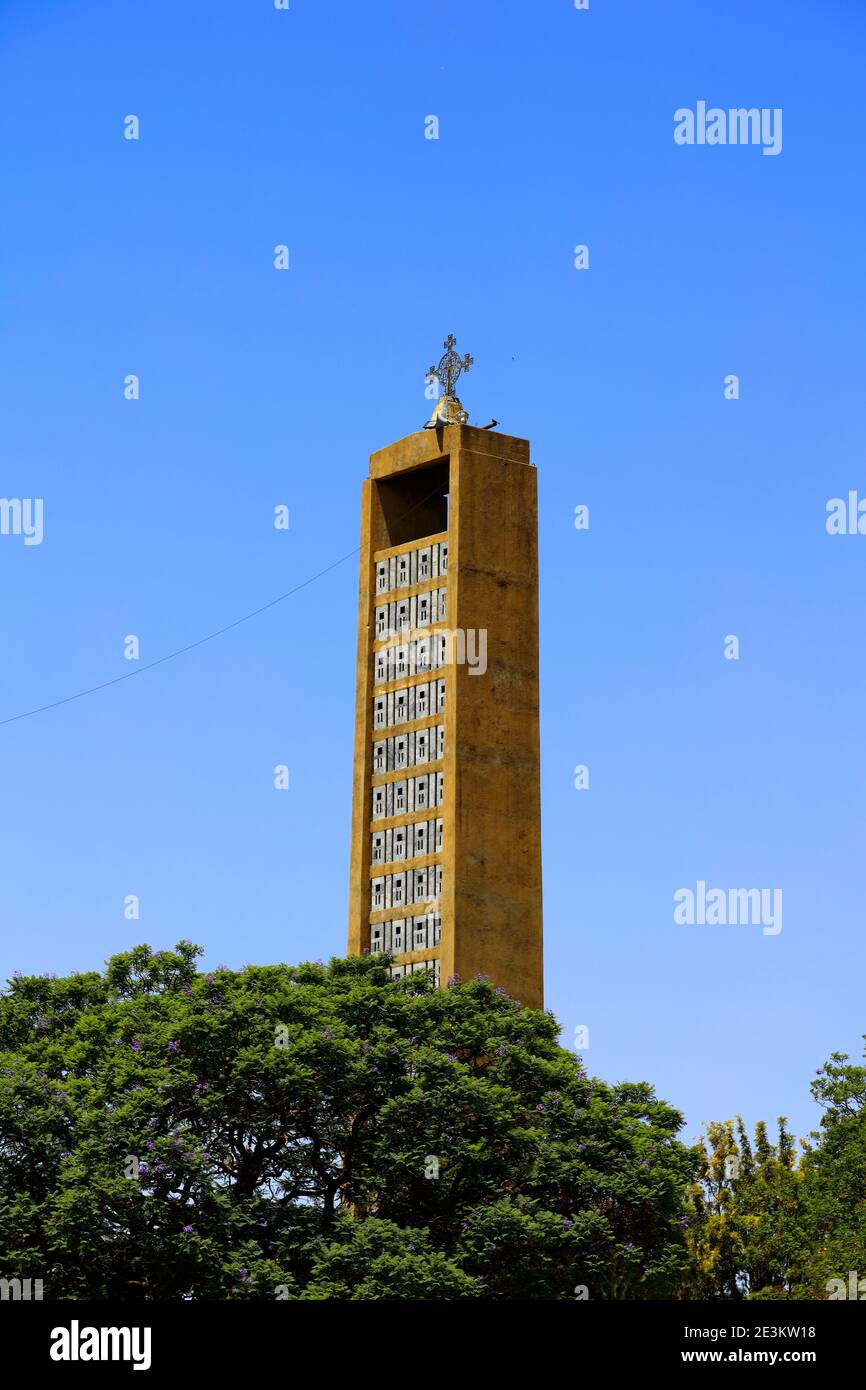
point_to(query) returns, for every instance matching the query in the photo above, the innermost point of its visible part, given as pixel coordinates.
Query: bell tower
(446, 835)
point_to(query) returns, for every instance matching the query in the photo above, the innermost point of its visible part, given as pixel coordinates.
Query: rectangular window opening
(414, 504)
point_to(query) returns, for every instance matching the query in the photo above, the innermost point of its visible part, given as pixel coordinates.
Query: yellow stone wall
(491, 919)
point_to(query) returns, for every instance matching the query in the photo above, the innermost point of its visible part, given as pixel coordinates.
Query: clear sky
(261, 387)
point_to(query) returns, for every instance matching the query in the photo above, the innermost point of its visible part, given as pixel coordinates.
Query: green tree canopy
(321, 1132)
(769, 1222)
(835, 1175)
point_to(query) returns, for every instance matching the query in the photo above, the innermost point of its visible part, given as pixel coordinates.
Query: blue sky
(261, 387)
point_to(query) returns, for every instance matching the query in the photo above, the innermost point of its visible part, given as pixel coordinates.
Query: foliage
(768, 1223)
(321, 1132)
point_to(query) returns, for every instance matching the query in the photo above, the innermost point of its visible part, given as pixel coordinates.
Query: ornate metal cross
(450, 367)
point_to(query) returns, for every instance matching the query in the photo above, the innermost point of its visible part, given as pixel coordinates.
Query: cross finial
(451, 365)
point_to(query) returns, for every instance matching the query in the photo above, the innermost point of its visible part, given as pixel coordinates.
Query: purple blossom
(174, 1046)
(135, 1045)
(187, 1230)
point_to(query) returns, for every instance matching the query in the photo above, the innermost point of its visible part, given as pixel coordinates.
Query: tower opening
(414, 504)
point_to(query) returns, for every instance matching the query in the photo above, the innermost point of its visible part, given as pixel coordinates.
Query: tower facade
(446, 834)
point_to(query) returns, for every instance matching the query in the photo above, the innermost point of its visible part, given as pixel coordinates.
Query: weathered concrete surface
(491, 897)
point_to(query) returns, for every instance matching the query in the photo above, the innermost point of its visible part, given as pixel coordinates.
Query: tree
(745, 1227)
(768, 1223)
(835, 1165)
(321, 1132)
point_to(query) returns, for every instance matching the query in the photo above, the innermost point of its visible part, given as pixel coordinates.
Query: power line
(170, 656)
(220, 631)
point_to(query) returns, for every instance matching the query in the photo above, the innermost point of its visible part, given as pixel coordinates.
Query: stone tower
(446, 835)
